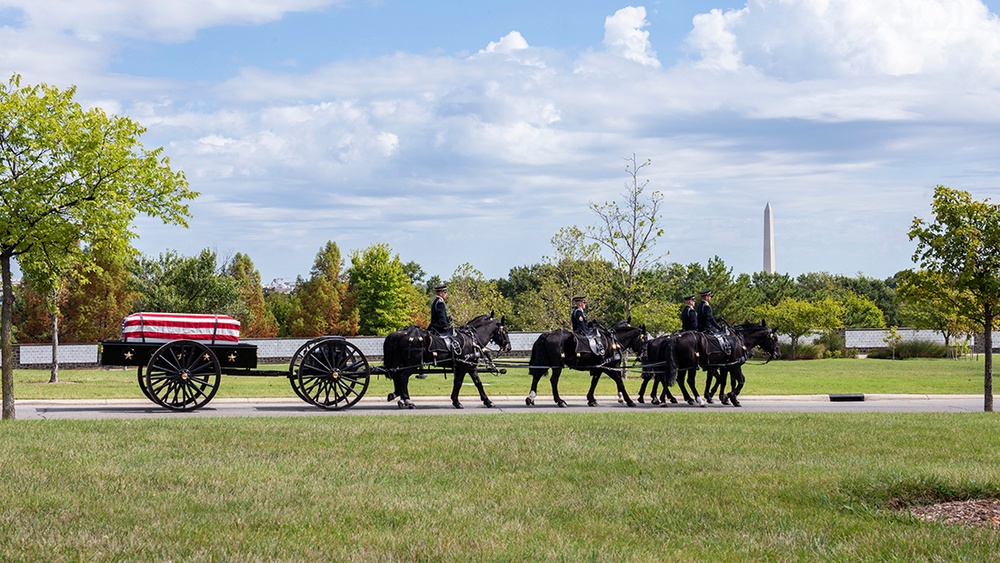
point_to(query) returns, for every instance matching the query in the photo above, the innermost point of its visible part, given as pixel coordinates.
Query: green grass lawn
(628, 486)
(776, 378)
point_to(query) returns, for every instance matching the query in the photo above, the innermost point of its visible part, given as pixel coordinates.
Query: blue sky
(462, 132)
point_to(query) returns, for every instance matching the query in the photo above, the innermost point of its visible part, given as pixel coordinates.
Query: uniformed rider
(706, 320)
(578, 316)
(689, 318)
(440, 321)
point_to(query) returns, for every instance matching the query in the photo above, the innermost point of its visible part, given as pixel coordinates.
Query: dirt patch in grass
(984, 513)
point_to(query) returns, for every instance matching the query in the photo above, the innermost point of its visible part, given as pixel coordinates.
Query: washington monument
(768, 239)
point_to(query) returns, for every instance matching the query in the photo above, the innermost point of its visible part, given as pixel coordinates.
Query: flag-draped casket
(164, 327)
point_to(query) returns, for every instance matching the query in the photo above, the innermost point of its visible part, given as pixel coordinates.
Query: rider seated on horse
(581, 326)
(689, 317)
(707, 322)
(440, 321)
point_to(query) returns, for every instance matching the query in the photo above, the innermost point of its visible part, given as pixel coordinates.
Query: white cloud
(624, 36)
(843, 38)
(509, 43)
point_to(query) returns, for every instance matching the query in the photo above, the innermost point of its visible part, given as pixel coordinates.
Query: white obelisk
(768, 239)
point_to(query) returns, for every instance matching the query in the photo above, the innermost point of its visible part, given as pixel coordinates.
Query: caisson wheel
(330, 373)
(182, 375)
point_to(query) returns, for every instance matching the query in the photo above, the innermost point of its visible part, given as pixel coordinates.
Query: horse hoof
(651, 401)
(410, 405)
(400, 404)
(673, 400)
(390, 397)
(708, 399)
(529, 401)
(702, 403)
(457, 405)
(732, 399)
(641, 400)
(489, 404)
(561, 404)
(724, 399)
(690, 402)
(630, 404)
(591, 403)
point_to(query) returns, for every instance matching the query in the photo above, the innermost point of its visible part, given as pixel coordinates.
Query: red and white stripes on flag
(164, 327)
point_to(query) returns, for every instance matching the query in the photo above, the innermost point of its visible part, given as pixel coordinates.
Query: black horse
(410, 350)
(561, 348)
(665, 357)
(719, 362)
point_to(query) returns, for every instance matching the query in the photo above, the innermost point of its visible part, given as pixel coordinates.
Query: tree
(470, 294)
(323, 304)
(796, 318)
(256, 319)
(186, 284)
(70, 177)
(383, 290)
(929, 301)
(629, 231)
(861, 312)
(963, 244)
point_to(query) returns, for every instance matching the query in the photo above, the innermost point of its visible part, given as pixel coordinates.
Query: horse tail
(539, 360)
(671, 358)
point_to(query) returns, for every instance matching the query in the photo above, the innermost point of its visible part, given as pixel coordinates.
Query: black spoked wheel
(330, 373)
(183, 375)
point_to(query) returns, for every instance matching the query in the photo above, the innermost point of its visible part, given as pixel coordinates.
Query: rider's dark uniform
(689, 318)
(579, 319)
(440, 322)
(706, 320)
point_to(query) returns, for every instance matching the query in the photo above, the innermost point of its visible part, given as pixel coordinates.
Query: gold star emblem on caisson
(128, 355)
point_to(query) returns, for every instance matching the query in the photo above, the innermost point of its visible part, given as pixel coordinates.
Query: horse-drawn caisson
(181, 357)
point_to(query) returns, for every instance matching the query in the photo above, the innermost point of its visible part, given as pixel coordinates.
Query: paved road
(136, 408)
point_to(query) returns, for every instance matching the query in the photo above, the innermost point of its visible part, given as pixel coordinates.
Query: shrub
(802, 351)
(912, 349)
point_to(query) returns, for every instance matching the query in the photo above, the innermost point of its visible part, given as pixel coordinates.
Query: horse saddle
(720, 342)
(447, 343)
(591, 343)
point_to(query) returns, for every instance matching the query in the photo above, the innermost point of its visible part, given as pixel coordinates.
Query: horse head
(490, 329)
(763, 336)
(631, 337)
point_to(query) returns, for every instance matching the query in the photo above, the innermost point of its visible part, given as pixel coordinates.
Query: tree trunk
(54, 376)
(988, 369)
(6, 347)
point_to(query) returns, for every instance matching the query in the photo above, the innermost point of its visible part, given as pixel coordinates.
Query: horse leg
(709, 379)
(652, 392)
(402, 384)
(474, 374)
(616, 376)
(595, 376)
(456, 387)
(723, 396)
(737, 381)
(556, 372)
(535, 376)
(642, 388)
(693, 384)
(684, 389)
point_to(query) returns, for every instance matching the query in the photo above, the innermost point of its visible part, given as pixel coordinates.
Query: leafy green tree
(71, 177)
(323, 304)
(963, 244)
(279, 304)
(796, 318)
(879, 292)
(629, 230)
(256, 319)
(383, 290)
(929, 301)
(186, 284)
(774, 287)
(470, 294)
(861, 312)
(98, 298)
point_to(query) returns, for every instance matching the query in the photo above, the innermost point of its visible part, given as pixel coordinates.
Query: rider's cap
(705, 293)
(440, 288)
(689, 297)
(579, 298)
